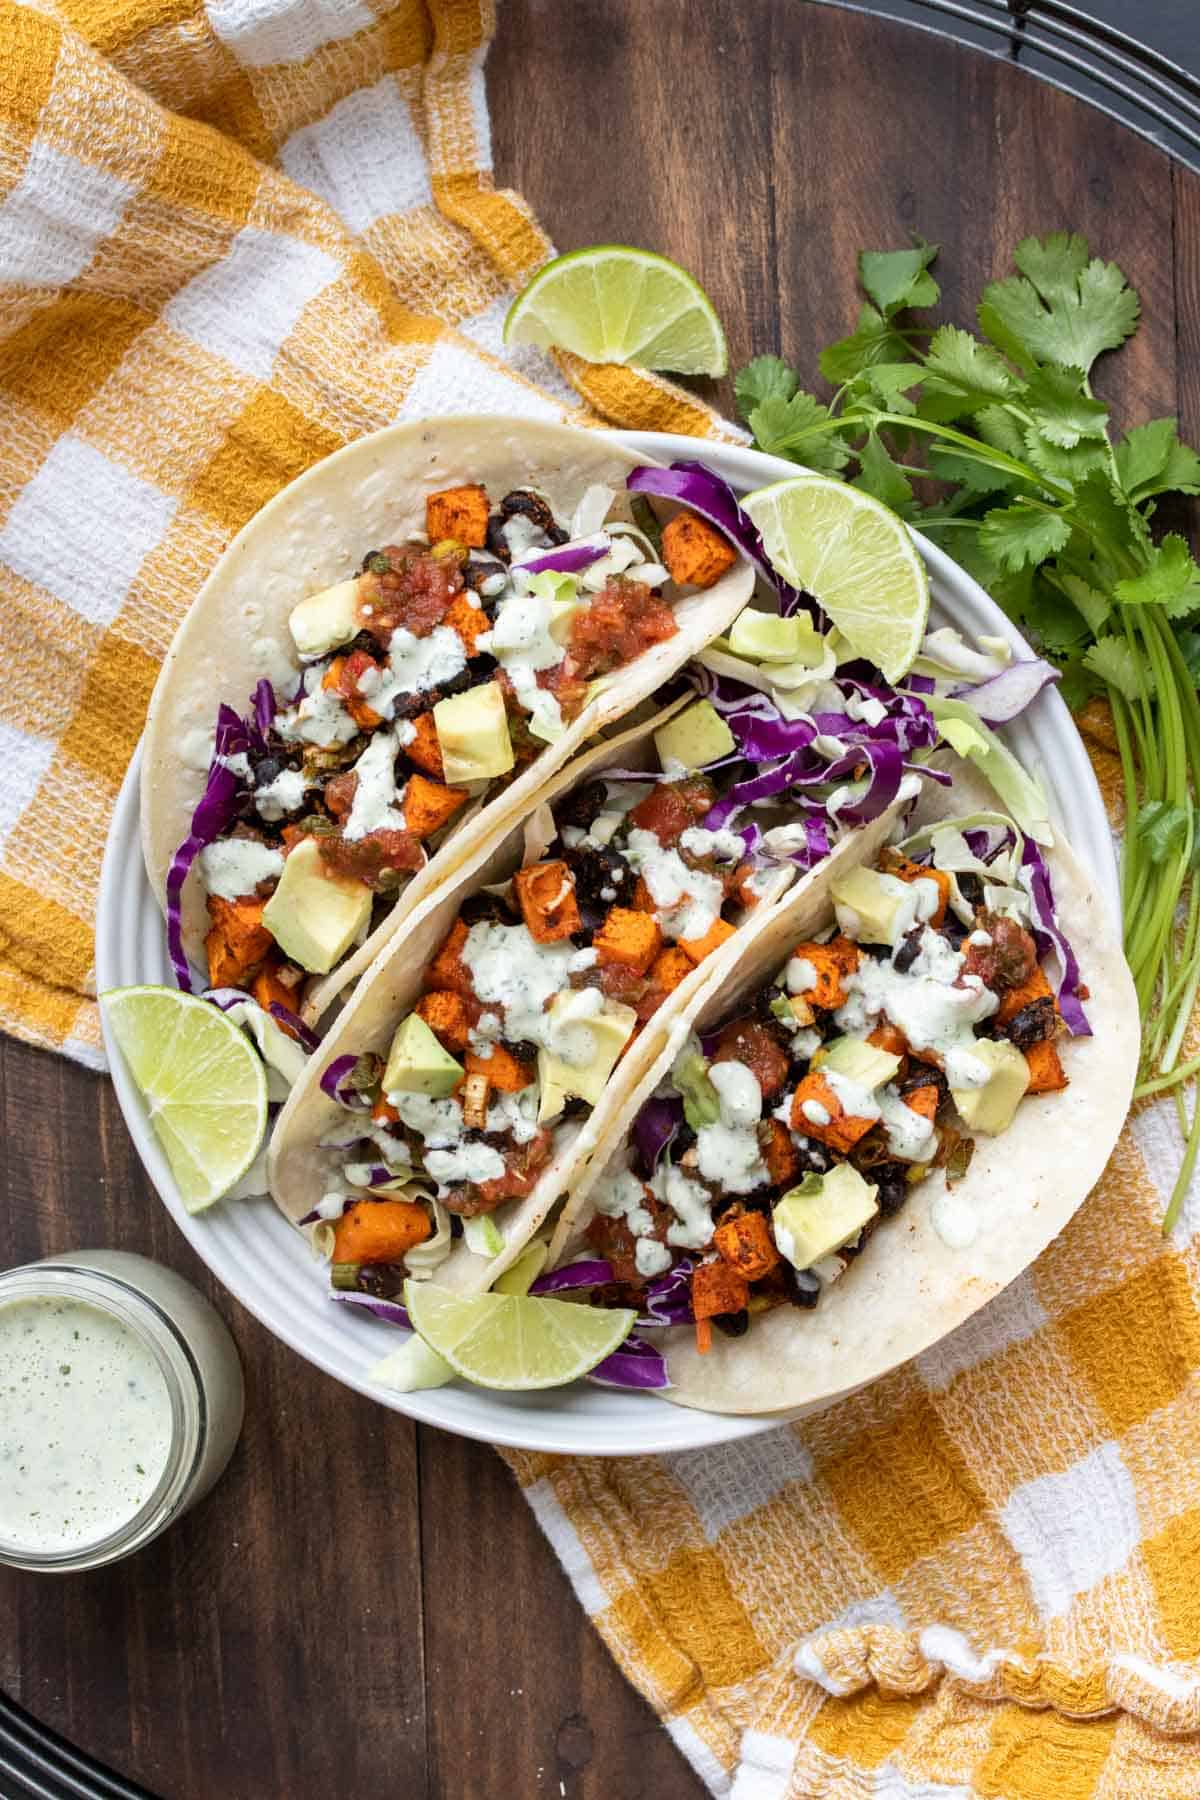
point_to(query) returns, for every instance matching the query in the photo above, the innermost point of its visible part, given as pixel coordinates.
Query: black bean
(580, 807)
(1032, 1025)
(908, 951)
(734, 1325)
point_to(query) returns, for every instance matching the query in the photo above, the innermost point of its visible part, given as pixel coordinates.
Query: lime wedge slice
(204, 1085)
(855, 556)
(511, 1340)
(611, 303)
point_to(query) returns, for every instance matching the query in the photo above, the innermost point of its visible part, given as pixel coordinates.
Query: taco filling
(880, 1051)
(537, 992)
(429, 680)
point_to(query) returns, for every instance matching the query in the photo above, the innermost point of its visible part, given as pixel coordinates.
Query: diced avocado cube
(873, 908)
(327, 619)
(562, 617)
(858, 1061)
(990, 1108)
(696, 736)
(315, 915)
(694, 1084)
(472, 730)
(823, 1213)
(764, 637)
(610, 1031)
(417, 1063)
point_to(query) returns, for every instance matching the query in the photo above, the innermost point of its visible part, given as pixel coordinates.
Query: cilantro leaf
(1189, 643)
(1023, 533)
(1078, 684)
(872, 341)
(1094, 606)
(1062, 411)
(1107, 517)
(797, 428)
(889, 383)
(969, 472)
(1171, 580)
(1059, 628)
(1142, 453)
(1061, 309)
(1066, 466)
(896, 279)
(999, 429)
(1162, 828)
(764, 378)
(879, 476)
(1113, 661)
(1181, 475)
(968, 367)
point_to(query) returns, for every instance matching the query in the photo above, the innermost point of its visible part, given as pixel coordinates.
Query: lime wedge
(611, 303)
(204, 1085)
(857, 558)
(512, 1340)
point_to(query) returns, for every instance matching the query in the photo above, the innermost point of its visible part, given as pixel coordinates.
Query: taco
(430, 623)
(491, 1046)
(871, 1121)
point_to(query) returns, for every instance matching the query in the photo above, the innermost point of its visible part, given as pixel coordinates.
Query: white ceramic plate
(267, 1265)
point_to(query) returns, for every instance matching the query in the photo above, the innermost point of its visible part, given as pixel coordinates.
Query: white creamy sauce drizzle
(727, 1153)
(377, 804)
(690, 1202)
(419, 663)
(233, 867)
(520, 641)
(85, 1423)
(319, 718)
(934, 1004)
(510, 970)
(726, 845)
(282, 796)
(688, 900)
(953, 1220)
(801, 976)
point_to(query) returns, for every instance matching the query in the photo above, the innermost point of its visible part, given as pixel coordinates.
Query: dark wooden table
(361, 1606)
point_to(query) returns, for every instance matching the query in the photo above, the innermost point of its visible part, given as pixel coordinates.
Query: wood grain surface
(362, 1607)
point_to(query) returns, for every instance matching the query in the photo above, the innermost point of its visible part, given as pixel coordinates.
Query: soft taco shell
(910, 1287)
(315, 532)
(299, 1172)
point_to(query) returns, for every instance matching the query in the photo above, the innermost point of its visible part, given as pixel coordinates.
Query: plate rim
(606, 1418)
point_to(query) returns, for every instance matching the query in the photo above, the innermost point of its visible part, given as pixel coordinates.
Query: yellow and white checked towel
(235, 234)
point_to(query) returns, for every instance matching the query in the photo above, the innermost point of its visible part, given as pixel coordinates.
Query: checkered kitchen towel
(233, 236)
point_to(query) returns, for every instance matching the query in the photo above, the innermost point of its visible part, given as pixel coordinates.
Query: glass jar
(123, 1402)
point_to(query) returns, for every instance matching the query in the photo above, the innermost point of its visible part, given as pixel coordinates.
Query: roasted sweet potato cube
(237, 941)
(904, 870)
(460, 513)
(469, 620)
(670, 967)
(718, 933)
(832, 962)
(1015, 1000)
(1046, 1073)
(889, 1037)
(424, 749)
(505, 1072)
(383, 1112)
(743, 889)
(745, 1244)
(717, 1287)
(269, 985)
(630, 938)
(448, 1017)
(448, 970)
(694, 551)
(546, 895)
(778, 1152)
(642, 899)
(923, 1100)
(828, 1122)
(375, 1231)
(428, 805)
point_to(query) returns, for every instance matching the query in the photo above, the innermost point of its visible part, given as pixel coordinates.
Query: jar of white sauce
(121, 1400)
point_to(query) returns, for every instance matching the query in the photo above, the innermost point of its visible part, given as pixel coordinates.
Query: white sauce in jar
(85, 1423)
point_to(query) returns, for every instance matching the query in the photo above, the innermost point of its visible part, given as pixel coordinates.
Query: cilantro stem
(1184, 1178)
(1158, 1084)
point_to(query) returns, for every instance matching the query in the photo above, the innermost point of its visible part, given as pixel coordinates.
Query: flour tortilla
(299, 1172)
(316, 532)
(909, 1288)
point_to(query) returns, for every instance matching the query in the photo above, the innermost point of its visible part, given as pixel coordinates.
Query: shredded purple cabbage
(331, 1084)
(1002, 697)
(702, 492)
(590, 1271)
(636, 1364)
(284, 1015)
(390, 1311)
(568, 560)
(655, 1128)
(265, 707)
(669, 1298)
(217, 809)
(1050, 938)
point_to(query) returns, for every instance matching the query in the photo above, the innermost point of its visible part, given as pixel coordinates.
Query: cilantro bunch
(994, 442)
